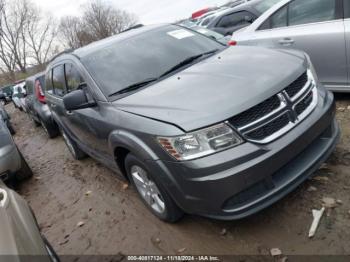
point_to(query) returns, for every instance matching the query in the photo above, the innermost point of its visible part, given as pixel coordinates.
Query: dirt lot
(116, 221)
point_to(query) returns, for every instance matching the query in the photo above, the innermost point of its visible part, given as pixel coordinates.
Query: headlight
(311, 71)
(200, 143)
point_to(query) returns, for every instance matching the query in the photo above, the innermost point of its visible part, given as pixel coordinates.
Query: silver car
(20, 238)
(318, 27)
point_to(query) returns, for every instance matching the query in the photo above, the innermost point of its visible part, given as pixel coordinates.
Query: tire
(50, 130)
(10, 127)
(74, 149)
(25, 172)
(36, 123)
(160, 203)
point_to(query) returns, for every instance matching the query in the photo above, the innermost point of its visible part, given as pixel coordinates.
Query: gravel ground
(64, 193)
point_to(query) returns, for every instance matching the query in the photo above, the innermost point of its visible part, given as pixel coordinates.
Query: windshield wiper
(188, 61)
(135, 86)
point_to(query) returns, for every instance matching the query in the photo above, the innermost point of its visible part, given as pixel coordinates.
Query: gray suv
(195, 126)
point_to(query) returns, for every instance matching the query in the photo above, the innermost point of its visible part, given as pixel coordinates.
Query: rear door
(313, 26)
(232, 22)
(30, 96)
(347, 33)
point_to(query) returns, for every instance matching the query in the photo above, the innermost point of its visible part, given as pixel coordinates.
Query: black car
(36, 105)
(230, 20)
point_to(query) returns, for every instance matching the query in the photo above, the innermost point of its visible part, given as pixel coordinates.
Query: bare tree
(99, 20)
(41, 33)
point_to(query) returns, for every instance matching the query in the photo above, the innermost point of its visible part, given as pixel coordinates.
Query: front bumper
(243, 180)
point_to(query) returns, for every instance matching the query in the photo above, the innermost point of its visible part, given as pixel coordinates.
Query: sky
(148, 11)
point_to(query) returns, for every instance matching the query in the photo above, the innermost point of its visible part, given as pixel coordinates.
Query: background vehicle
(2, 98)
(19, 231)
(321, 28)
(212, 34)
(36, 105)
(13, 166)
(230, 20)
(5, 117)
(18, 96)
(7, 90)
(193, 125)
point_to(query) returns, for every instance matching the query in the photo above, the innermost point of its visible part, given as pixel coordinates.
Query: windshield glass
(265, 5)
(146, 55)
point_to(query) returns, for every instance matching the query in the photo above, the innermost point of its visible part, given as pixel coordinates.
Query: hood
(217, 88)
(19, 234)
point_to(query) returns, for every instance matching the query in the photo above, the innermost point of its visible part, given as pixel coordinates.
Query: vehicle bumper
(10, 162)
(246, 179)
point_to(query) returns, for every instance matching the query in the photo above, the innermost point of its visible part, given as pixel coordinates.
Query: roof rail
(67, 51)
(132, 27)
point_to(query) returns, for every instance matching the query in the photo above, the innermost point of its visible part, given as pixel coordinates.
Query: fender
(127, 140)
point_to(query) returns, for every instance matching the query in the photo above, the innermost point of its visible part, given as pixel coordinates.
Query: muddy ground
(115, 221)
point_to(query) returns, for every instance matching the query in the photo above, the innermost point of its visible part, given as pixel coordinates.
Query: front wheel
(51, 130)
(152, 193)
(76, 152)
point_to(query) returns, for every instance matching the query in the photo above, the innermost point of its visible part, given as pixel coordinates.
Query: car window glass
(30, 87)
(311, 11)
(346, 8)
(73, 77)
(263, 6)
(235, 19)
(58, 81)
(48, 82)
(279, 19)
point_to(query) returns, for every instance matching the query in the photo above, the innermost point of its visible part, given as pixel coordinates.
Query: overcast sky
(148, 11)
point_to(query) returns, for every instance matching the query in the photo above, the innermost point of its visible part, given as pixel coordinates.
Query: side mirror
(77, 100)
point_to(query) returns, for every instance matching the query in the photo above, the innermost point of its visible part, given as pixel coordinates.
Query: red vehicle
(200, 12)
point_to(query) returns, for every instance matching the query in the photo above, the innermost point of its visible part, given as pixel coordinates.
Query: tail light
(39, 92)
(232, 43)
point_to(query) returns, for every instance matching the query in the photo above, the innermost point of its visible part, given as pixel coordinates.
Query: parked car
(212, 34)
(13, 166)
(18, 96)
(20, 237)
(195, 126)
(230, 20)
(2, 98)
(36, 105)
(318, 27)
(5, 117)
(7, 91)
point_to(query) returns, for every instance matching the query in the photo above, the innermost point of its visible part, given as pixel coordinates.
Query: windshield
(265, 5)
(144, 56)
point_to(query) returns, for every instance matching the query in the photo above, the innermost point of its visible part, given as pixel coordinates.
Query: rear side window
(58, 81)
(346, 8)
(30, 87)
(311, 11)
(48, 82)
(73, 77)
(235, 19)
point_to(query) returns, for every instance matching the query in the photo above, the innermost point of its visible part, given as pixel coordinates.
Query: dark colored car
(20, 237)
(195, 126)
(5, 117)
(6, 94)
(230, 20)
(36, 104)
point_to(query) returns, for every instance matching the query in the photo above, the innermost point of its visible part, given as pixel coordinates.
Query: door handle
(286, 41)
(69, 113)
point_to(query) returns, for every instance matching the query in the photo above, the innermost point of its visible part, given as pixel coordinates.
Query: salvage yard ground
(82, 208)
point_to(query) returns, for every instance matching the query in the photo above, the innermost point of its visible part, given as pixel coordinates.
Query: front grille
(269, 129)
(295, 87)
(303, 104)
(256, 112)
(263, 122)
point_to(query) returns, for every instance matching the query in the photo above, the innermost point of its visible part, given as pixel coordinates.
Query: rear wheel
(50, 130)
(152, 193)
(76, 152)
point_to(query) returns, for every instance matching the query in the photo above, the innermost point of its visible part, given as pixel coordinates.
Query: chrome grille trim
(287, 106)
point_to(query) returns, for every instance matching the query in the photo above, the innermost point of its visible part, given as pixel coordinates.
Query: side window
(279, 19)
(58, 81)
(48, 82)
(235, 19)
(346, 8)
(73, 77)
(311, 11)
(29, 85)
